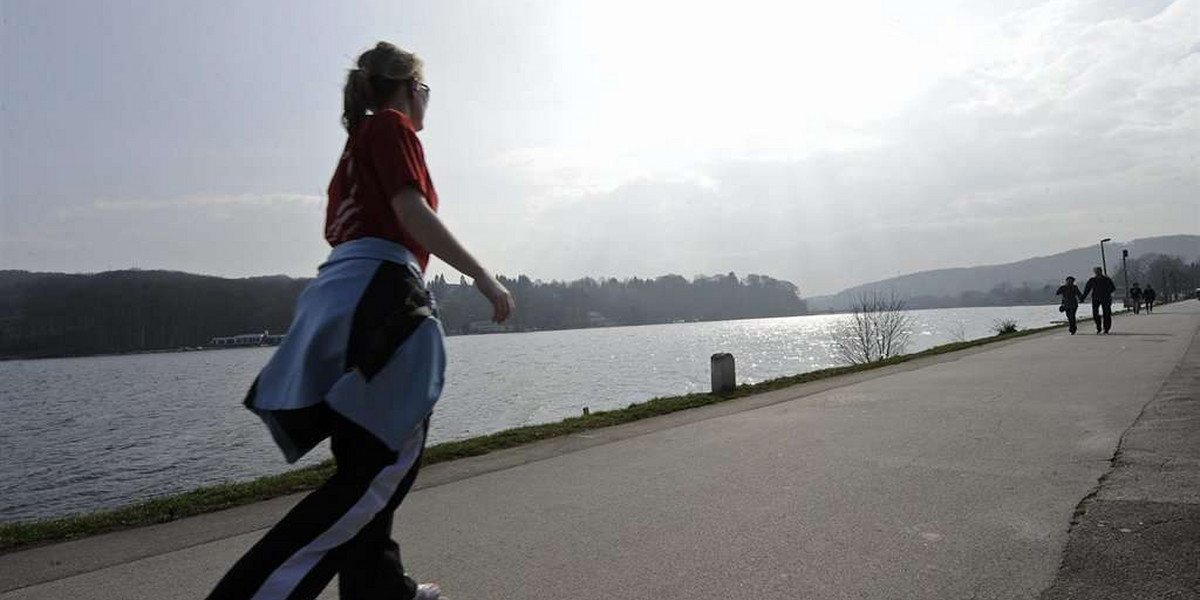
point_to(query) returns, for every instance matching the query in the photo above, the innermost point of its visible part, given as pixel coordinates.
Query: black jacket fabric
(1070, 295)
(1101, 287)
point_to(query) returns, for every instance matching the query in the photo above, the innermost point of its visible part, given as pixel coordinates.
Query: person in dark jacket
(1070, 301)
(1149, 296)
(1101, 288)
(1135, 296)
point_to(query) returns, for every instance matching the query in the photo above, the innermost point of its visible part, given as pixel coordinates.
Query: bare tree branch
(878, 327)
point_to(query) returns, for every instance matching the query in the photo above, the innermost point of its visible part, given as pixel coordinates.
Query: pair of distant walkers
(1101, 288)
(1140, 297)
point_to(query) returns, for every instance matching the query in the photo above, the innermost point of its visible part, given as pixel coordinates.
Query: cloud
(234, 235)
(271, 201)
(1086, 122)
(559, 173)
(567, 172)
(817, 143)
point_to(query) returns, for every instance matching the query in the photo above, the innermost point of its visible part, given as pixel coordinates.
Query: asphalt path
(956, 477)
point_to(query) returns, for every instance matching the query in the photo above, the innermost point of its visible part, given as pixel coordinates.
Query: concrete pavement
(948, 478)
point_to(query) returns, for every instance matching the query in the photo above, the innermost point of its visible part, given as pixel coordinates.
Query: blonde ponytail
(378, 75)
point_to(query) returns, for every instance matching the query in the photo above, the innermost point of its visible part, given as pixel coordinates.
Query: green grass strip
(208, 499)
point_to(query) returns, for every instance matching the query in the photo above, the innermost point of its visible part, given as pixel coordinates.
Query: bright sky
(828, 143)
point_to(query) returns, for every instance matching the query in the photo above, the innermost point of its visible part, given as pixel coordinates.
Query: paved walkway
(955, 477)
(1138, 536)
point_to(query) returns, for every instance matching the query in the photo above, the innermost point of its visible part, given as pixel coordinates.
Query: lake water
(82, 434)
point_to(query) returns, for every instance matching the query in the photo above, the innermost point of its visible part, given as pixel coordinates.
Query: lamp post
(1125, 271)
(1104, 263)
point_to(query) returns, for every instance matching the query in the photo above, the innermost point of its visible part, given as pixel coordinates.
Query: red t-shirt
(382, 157)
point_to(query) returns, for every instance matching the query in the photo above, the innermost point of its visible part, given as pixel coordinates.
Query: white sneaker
(428, 591)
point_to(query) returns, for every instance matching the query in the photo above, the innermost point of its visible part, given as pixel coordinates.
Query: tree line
(1171, 276)
(635, 301)
(56, 314)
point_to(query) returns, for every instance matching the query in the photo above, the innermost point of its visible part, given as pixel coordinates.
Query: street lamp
(1125, 271)
(1103, 263)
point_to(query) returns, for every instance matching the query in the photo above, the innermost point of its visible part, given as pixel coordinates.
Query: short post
(723, 375)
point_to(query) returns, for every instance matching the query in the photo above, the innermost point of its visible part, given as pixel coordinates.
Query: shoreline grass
(16, 536)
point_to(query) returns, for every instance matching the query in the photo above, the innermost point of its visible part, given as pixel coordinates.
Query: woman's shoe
(429, 591)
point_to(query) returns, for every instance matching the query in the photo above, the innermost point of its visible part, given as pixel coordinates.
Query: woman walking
(1070, 301)
(363, 361)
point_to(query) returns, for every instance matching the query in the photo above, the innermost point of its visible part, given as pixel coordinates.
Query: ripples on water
(82, 434)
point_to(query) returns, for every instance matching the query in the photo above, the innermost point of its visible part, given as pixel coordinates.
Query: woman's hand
(497, 294)
(424, 225)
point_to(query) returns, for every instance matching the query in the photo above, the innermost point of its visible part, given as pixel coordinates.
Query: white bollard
(723, 375)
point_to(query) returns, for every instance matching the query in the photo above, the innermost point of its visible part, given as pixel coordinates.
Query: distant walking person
(1135, 296)
(1101, 288)
(1149, 296)
(363, 362)
(1071, 297)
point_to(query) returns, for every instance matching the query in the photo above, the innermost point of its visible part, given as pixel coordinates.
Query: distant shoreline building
(595, 319)
(244, 340)
(487, 327)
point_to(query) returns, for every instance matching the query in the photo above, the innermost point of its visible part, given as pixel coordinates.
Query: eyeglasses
(423, 88)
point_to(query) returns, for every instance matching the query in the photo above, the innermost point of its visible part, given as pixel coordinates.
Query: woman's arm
(428, 230)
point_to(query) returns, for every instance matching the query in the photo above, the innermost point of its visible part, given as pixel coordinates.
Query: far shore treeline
(56, 314)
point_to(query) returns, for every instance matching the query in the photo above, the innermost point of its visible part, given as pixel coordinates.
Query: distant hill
(1032, 273)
